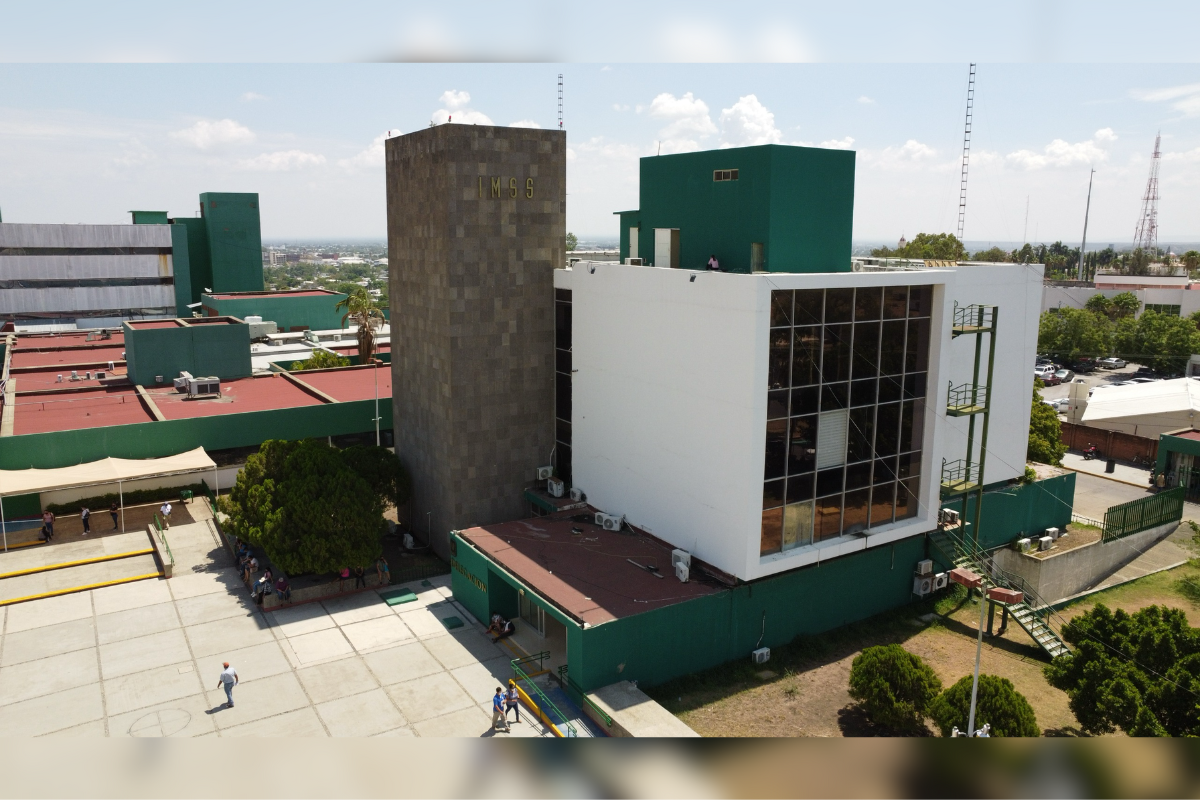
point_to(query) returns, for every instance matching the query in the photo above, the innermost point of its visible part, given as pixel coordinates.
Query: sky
(90, 140)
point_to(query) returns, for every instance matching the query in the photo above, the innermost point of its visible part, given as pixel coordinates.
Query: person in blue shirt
(498, 715)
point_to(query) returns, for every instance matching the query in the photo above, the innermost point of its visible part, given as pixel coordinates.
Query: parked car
(1044, 370)
(1084, 365)
(1111, 363)
(1059, 405)
(1064, 375)
(1050, 379)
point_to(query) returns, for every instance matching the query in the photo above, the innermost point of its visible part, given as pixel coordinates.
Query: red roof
(32, 380)
(35, 341)
(587, 574)
(1193, 435)
(146, 324)
(237, 396)
(30, 357)
(350, 383)
(70, 411)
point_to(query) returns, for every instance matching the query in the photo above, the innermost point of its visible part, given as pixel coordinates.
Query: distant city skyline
(84, 143)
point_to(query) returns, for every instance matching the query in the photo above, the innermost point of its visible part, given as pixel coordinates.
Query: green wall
(199, 276)
(149, 217)
(204, 350)
(1013, 510)
(169, 437)
(318, 313)
(234, 240)
(629, 219)
(181, 270)
(797, 201)
(1174, 444)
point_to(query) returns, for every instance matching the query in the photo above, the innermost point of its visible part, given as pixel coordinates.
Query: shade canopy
(104, 471)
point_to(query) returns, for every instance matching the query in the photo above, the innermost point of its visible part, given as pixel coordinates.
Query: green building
(770, 208)
(295, 310)
(156, 351)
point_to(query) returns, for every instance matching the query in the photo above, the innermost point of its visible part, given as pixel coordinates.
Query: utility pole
(1025, 233)
(560, 92)
(962, 189)
(1145, 236)
(1086, 210)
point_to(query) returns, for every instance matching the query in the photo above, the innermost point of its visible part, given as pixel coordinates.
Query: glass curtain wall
(845, 411)
(562, 384)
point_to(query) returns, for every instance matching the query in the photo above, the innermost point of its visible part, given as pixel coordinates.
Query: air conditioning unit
(681, 557)
(941, 580)
(111, 366)
(1024, 545)
(311, 336)
(682, 571)
(408, 541)
(74, 375)
(203, 387)
(545, 473)
(101, 375)
(577, 495)
(181, 383)
(88, 375)
(610, 522)
(60, 378)
(635, 262)
(1053, 533)
(761, 656)
(922, 585)
(950, 516)
(1045, 543)
(924, 567)
(555, 487)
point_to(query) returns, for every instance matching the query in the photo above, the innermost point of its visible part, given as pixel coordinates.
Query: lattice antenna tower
(962, 189)
(560, 101)
(1146, 234)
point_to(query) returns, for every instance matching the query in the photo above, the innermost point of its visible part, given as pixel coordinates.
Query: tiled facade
(476, 227)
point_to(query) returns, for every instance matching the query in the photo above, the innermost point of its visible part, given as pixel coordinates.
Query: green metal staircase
(1032, 614)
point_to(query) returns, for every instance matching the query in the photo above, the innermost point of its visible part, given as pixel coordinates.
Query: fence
(543, 704)
(1111, 444)
(1140, 515)
(574, 691)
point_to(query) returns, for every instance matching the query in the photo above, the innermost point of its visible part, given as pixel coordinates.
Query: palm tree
(361, 309)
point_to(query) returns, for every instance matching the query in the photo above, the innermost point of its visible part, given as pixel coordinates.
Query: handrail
(564, 680)
(572, 732)
(1139, 515)
(966, 395)
(162, 536)
(212, 501)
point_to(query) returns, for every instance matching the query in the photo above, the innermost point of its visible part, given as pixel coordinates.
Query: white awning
(104, 471)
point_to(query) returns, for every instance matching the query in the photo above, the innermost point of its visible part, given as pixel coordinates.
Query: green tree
(381, 469)
(1191, 259)
(572, 242)
(1125, 304)
(998, 704)
(1099, 304)
(1072, 333)
(1139, 262)
(993, 254)
(362, 311)
(893, 686)
(1139, 673)
(320, 359)
(1045, 431)
(1024, 255)
(1166, 342)
(934, 246)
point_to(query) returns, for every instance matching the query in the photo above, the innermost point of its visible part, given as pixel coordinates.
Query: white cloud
(865, 99)
(748, 122)
(206, 134)
(1186, 97)
(282, 161)
(606, 68)
(524, 123)
(372, 156)
(845, 143)
(1060, 153)
(688, 121)
(250, 97)
(454, 109)
(453, 99)
(910, 155)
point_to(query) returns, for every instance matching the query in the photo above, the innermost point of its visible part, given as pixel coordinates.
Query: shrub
(137, 497)
(998, 704)
(320, 359)
(893, 686)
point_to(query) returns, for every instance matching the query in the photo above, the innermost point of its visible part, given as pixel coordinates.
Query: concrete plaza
(143, 659)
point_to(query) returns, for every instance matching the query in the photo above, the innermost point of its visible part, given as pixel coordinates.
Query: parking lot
(1099, 378)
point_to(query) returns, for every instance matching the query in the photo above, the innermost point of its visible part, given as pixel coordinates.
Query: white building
(1144, 409)
(1175, 295)
(675, 379)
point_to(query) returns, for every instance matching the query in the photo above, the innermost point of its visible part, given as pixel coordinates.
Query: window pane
(916, 357)
(910, 465)
(866, 349)
(777, 404)
(562, 431)
(885, 470)
(781, 309)
(806, 356)
(829, 481)
(800, 487)
(858, 476)
(895, 302)
(890, 388)
(859, 439)
(772, 532)
(810, 304)
(912, 425)
(779, 369)
(797, 525)
(839, 305)
(887, 429)
(806, 400)
(920, 300)
(773, 494)
(834, 396)
(562, 396)
(562, 454)
(562, 326)
(802, 450)
(854, 517)
(828, 518)
(906, 498)
(862, 393)
(914, 385)
(867, 302)
(882, 499)
(562, 294)
(891, 348)
(836, 364)
(562, 361)
(776, 450)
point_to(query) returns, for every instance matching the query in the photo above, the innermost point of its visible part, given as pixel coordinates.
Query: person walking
(85, 516)
(228, 679)
(48, 524)
(115, 513)
(512, 700)
(381, 569)
(498, 711)
(165, 510)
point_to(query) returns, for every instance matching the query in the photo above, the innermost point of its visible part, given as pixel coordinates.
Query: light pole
(978, 653)
(375, 372)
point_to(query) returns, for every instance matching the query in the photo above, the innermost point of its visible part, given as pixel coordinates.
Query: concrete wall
(1112, 444)
(1061, 575)
(318, 313)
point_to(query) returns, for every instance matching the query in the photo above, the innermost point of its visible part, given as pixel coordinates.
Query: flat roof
(252, 295)
(239, 395)
(146, 324)
(59, 356)
(588, 575)
(1193, 435)
(34, 341)
(32, 380)
(72, 411)
(345, 384)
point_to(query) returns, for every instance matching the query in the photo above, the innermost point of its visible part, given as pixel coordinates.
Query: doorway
(757, 262)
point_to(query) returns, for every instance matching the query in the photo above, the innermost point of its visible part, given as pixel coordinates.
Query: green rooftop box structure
(149, 217)
(222, 247)
(296, 310)
(205, 347)
(770, 208)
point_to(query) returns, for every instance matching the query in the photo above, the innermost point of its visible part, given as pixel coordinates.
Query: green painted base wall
(22, 505)
(212, 350)
(318, 313)
(1015, 510)
(1173, 444)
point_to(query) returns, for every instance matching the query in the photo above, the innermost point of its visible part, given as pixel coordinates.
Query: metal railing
(959, 472)
(212, 501)
(1136, 516)
(546, 702)
(569, 686)
(966, 395)
(976, 317)
(1082, 520)
(162, 537)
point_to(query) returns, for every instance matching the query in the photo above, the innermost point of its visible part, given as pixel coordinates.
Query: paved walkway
(143, 659)
(1122, 471)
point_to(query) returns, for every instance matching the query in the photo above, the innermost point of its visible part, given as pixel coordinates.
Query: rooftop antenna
(1146, 234)
(560, 101)
(1086, 210)
(962, 191)
(1025, 233)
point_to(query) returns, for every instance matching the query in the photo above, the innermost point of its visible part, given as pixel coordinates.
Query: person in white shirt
(713, 264)
(165, 511)
(229, 679)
